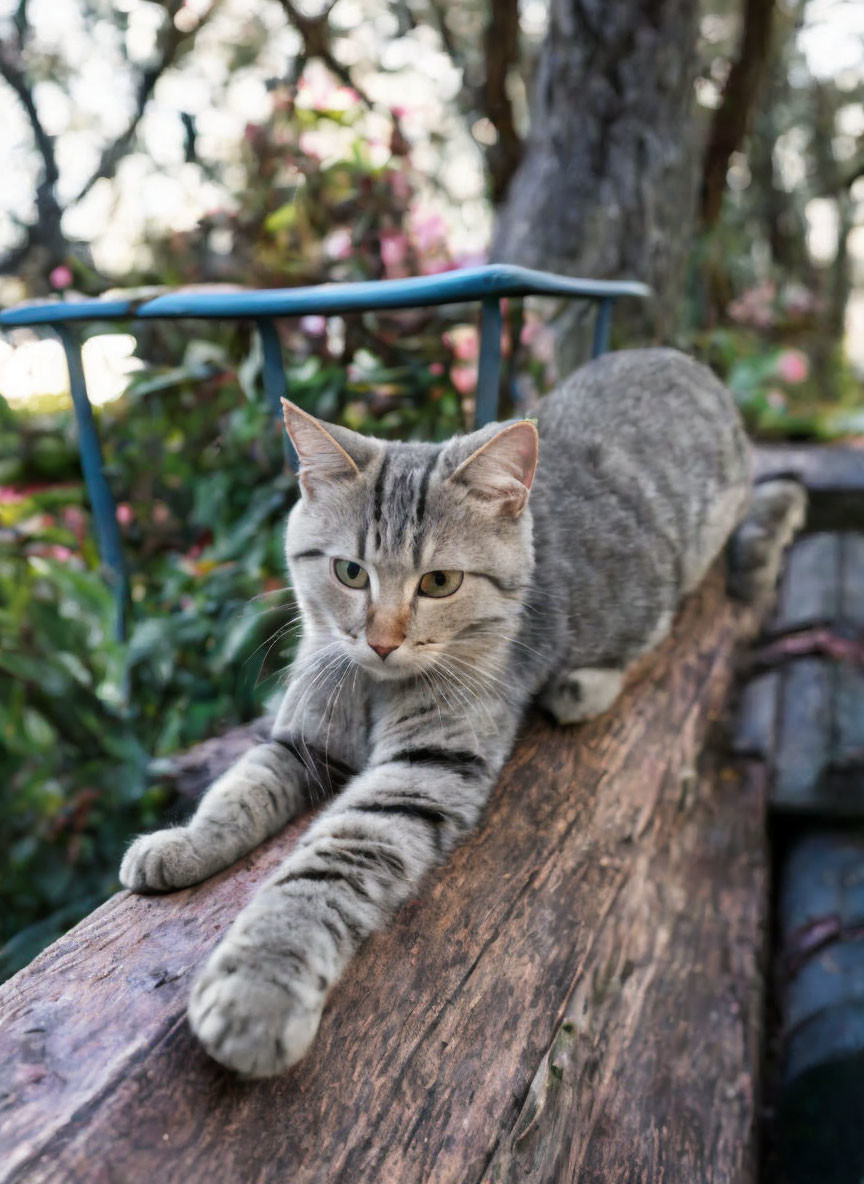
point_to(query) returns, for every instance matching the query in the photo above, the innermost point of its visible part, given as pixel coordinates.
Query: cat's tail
(776, 513)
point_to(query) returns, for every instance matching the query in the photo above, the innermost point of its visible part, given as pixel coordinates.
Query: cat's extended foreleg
(257, 1004)
(251, 801)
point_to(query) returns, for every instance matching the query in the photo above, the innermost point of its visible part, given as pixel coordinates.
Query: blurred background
(714, 150)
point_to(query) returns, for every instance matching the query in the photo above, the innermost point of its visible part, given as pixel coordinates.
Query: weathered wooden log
(189, 773)
(575, 996)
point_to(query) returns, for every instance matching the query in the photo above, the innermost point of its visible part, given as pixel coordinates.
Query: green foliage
(196, 461)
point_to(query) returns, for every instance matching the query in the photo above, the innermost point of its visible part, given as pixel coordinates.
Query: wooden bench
(576, 995)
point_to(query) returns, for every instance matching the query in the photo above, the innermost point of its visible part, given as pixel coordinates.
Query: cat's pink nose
(383, 650)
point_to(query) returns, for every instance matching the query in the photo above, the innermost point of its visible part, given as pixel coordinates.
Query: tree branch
(316, 35)
(46, 229)
(501, 52)
(170, 44)
(732, 117)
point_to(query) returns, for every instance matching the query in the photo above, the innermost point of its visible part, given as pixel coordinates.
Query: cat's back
(632, 397)
(643, 473)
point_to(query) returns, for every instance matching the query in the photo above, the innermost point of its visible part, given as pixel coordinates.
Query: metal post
(275, 384)
(602, 327)
(98, 489)
(489, 370)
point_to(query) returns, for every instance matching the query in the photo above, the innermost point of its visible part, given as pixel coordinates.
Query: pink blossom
(125, 514)
(10, 496)
(470, 259)
(464, 341)
(436, 368)
(75, 520)
(314, 325)
(400, 185)
(60, 553)
(61, 277)
(755, 306)
(792, 366)
(429, 231)
(338, 245)
(464, 378)
(394, 247)
(435, 266)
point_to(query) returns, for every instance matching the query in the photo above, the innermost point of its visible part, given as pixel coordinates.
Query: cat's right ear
(324, 459)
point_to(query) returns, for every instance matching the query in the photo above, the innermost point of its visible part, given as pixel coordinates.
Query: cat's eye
(440, 583)
(349, 573)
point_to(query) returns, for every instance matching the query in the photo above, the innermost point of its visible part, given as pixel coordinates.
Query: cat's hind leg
(776, 513)
(577, 695)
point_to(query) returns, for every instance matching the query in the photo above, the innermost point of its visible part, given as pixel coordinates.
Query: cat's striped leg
(258, 1002)
(267, 786)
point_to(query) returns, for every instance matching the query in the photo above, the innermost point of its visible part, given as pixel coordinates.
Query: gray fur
(643, 475)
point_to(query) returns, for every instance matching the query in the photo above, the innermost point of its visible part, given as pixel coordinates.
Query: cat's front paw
(162, 862)
(249, 1020)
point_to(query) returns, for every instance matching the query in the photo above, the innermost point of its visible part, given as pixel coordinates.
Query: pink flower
(125, 514)
(394, 247)
(464, 342)
(315, 326)
(10, 496)
(792, 366)
(436, 368)
(435, 266)
(470, 259)
(464, 378)
(61, 277)
(429, 230)
(400, 185)
(75, 520)
(338, 244)
(58, 552)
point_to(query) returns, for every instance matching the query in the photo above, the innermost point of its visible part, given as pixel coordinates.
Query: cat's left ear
(502, 470)
(327, 453)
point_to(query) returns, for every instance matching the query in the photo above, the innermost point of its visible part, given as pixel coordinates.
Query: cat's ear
(501, 471)
(327, 453)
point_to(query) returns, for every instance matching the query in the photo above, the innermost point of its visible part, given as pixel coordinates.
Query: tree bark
(608, 183)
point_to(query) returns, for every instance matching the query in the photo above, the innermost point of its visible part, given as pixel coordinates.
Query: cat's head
(411, 557)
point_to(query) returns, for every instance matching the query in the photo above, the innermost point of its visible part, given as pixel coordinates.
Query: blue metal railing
(488, 284)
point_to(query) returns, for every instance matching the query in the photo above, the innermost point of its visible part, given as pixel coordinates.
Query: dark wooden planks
(834, 476)
(805, 736)
(428, 1049)
(821, 468)
(821, 1096)
(810, 588)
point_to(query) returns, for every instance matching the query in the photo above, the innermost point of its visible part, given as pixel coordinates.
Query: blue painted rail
(488, 284)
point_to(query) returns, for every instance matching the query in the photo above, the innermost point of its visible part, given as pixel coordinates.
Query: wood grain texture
(609, 885)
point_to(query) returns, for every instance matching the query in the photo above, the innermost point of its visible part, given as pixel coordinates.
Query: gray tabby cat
(437, 601)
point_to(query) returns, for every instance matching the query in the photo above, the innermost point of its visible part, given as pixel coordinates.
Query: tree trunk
(608, 183)
(732, 118)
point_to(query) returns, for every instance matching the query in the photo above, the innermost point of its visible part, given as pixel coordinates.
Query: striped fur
(643, 474)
